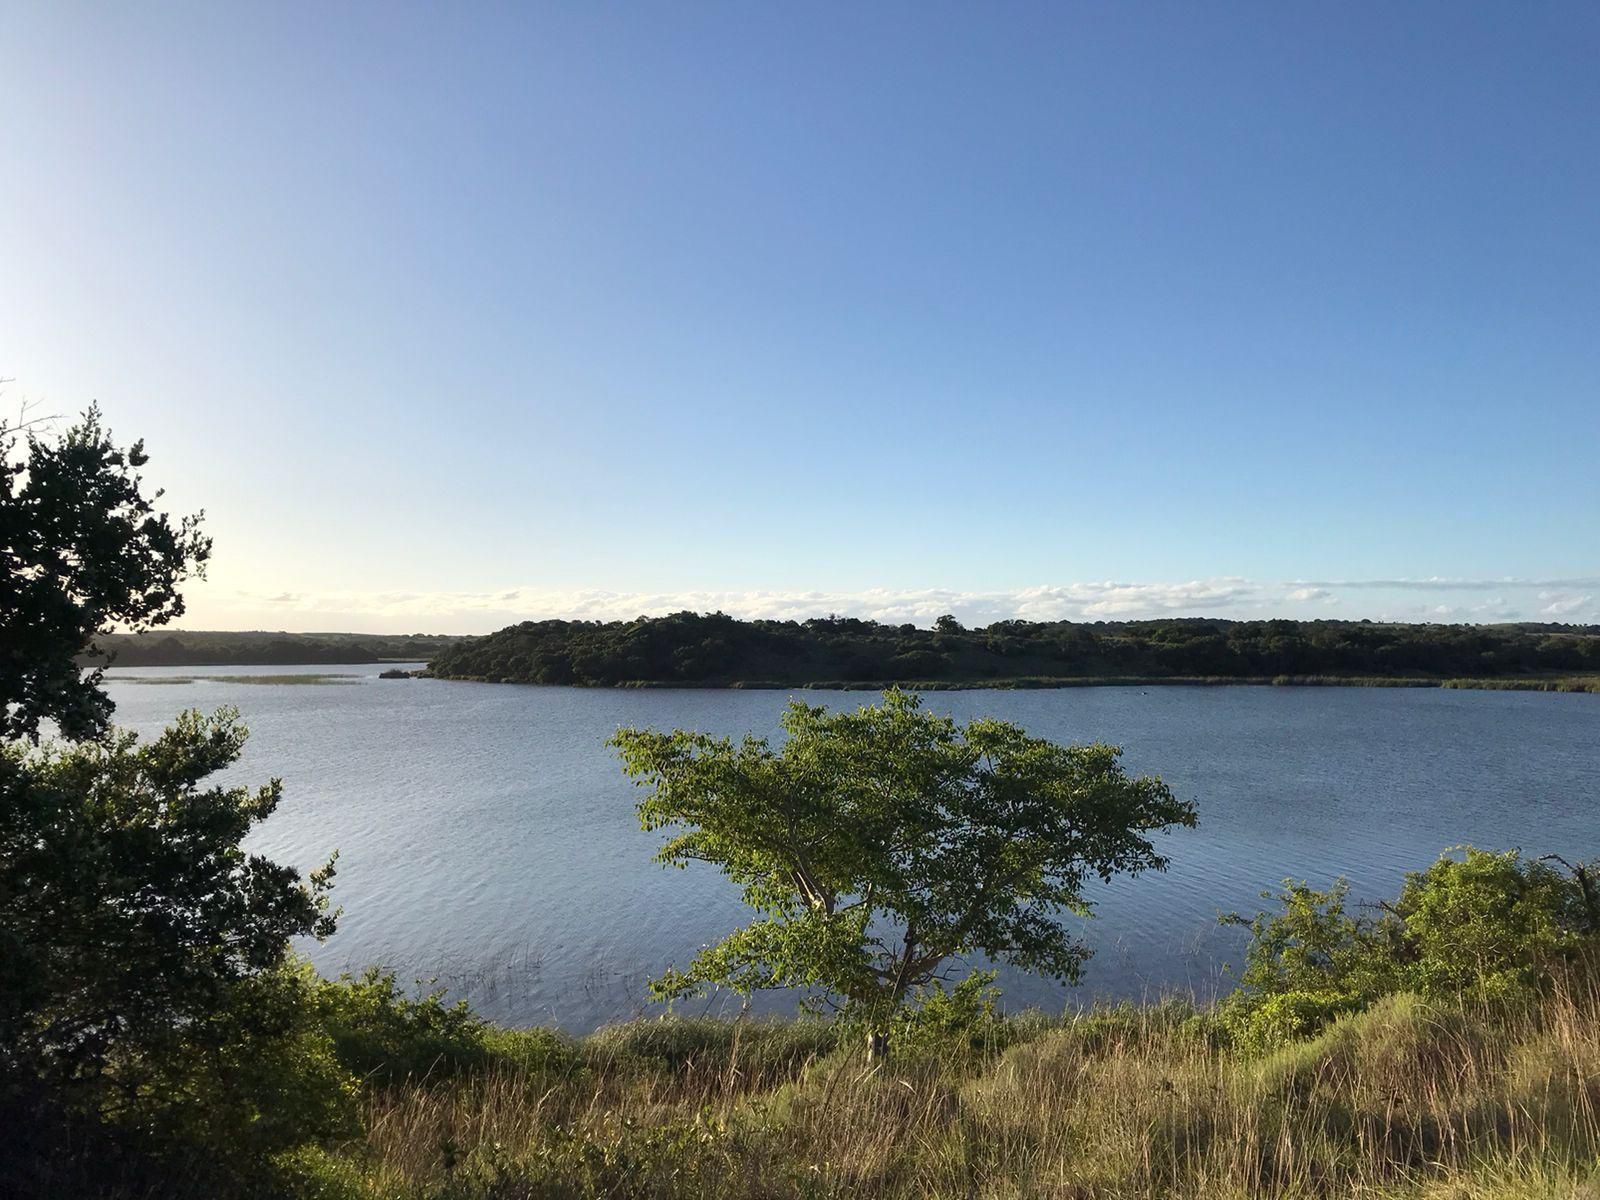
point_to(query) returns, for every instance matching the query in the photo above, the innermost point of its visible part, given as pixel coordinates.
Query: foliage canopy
(129, 903)
(879, 844)
(83, 549)
(716, 649)
(143, 995)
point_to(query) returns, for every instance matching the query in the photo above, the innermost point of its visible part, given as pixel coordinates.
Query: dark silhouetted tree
(84, 550)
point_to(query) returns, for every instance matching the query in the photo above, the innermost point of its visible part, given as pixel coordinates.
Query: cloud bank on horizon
(1575, 600)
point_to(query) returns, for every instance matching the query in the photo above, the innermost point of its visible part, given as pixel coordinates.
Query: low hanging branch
(1586, 886)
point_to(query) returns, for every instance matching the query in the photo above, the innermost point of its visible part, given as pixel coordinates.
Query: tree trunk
(877, 1046)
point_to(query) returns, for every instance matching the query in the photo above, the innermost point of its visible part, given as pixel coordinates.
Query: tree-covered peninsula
(223, 648)
(715, 650)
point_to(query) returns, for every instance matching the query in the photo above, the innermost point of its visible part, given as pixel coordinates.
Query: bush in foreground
(1484, 926)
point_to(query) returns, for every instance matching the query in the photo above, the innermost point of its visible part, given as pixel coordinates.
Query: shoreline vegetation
(1407, 1099)
(260, 648)
(693, 650)
(1577, 684)
(1441, 1045)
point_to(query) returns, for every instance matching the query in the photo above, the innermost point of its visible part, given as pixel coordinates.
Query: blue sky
(452, 315)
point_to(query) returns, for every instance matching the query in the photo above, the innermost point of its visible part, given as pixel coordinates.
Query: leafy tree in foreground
(82, 549)
(143, 990)
(131, 905)
(880, 844)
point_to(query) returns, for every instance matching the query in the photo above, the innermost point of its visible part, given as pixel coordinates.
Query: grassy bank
(1442, 1044)
(1408, 1099)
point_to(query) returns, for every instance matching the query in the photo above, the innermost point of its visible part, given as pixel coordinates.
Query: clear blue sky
(453, 314)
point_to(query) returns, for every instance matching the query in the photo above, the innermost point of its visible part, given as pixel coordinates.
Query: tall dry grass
(1410, 1098)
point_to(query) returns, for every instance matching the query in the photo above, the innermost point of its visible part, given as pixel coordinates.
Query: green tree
(82, 550)
(132, 906)
(880, 844)
(138, 941)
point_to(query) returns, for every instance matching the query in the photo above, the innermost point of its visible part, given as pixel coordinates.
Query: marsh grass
(1407, 1099)
(1577, 683)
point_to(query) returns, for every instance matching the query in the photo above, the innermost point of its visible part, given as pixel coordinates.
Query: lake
(486, 835)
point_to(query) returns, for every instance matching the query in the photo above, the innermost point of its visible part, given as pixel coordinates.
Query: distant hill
(692, 649)
(205, 648)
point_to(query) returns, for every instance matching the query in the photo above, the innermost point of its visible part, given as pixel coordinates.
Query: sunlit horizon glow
(1444, 601)
(453, 318)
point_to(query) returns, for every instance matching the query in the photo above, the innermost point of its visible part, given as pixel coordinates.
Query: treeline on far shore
(203, 648)
(716, 650)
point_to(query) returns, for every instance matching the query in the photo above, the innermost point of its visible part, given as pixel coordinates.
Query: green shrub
(541, 1050)
(1284, 1017)
(260, 1077)
(1490, 927)
(1388, 1041)
(959, 1020)
(314, 1173)
(1488, 923)
(384, 1035)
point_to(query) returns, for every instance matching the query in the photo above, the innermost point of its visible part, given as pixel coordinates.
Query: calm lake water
(486, 835)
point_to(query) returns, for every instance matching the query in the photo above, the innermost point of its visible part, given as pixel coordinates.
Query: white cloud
(1078, 601)
(1108, 600)
(1437, 584)
(1566, 605)
(1489, 611)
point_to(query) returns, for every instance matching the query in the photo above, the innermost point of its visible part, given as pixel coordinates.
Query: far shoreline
(1570, 685)
(1563, 684)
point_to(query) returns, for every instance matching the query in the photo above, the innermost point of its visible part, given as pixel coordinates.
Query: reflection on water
(486, 835)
